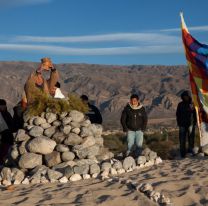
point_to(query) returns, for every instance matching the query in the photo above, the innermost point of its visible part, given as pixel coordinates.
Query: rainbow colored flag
(197, 58)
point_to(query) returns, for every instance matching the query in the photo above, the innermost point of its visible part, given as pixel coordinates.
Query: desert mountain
(109, 87)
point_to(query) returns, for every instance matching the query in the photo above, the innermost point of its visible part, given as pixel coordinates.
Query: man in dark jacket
(6, 129)
(186, 120)
(18, 117)
(134, 122)
(93, 114)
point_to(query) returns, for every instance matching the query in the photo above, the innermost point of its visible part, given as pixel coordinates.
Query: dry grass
(166, 145)
(43, 102)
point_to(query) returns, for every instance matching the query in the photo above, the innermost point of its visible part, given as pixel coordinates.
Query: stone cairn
(66, 147)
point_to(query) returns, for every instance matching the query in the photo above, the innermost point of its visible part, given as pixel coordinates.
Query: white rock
(45, 125)
(76, 116)
(105, 174)
(110, 180)
(121, 171)
(137, 167)
(63, 180)
(146, 187)
(53, 181)
(95, 175)
(86, 176)
(151, 194)
(51, 117)
(138, 187)
(156, 197)
(158, 160)
(129, 170)
(35, 181)
(164, 200)
(128, 181)
(44, 180)
(141, 166)
(113, 171)
(25, 181)
(75, 177)
(149, 163)
(6, 183)
(41, 145)
(76, 130)
(16, 182)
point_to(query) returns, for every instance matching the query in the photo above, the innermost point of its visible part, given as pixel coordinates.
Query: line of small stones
(145, 188)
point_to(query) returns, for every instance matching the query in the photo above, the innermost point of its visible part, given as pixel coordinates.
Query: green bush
(43, 102)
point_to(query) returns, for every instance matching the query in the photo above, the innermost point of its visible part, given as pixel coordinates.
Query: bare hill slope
(109, 87)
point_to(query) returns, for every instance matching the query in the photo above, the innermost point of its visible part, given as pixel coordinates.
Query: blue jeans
(134, 137)
(185, 132)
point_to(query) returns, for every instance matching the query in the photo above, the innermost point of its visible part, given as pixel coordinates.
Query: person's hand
(47, 66)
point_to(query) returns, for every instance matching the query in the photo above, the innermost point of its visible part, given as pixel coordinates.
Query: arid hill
(109, 87)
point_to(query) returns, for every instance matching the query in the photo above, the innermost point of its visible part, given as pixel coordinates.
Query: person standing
(134, 122)
(186, 121)
(37, 84)
(6, 130)
(18, 116)
(93, 114)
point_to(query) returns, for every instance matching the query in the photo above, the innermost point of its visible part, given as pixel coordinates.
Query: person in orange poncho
(36, 82)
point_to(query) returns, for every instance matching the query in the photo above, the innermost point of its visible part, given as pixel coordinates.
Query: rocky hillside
(109, 87)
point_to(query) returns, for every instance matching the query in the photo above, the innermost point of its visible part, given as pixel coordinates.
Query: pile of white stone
(62, 148)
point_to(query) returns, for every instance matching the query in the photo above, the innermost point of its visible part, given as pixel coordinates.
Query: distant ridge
(109, 86)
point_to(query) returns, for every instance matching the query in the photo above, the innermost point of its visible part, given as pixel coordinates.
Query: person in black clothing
(6, 129)
(186, 120)
(93, 114)
(18, 117)
(134, 122)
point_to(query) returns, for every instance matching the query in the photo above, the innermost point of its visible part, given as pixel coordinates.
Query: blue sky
(99, 31)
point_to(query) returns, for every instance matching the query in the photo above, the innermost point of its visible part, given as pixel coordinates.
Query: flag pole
(183, 26)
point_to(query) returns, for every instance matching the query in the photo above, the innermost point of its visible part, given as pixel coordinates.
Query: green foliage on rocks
(45, 103)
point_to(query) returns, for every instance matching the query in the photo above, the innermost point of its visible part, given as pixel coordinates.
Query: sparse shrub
(165, 148)
(75, 103)
(116, 143)
(43, 102)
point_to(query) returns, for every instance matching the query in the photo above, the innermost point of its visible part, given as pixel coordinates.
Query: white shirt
(58, 94)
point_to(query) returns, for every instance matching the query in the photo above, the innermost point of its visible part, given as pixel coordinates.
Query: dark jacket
(94, 114)
(134, 119)
(18, 117)
(8, 119)
(6, 135)
(185, 114)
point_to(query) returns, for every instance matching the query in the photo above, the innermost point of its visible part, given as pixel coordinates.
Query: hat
(185, 93)
(46, 59)
(2, 102)
(46, 63)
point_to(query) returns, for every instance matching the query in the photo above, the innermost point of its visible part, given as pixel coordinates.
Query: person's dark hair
(58, 85)
(84, 97)
(3, 102)
(134, 96)
(185, 93)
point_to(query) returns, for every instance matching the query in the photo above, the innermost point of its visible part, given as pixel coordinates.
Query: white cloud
(144, 38)
(14, 3)
(59, 50)
(193, 28)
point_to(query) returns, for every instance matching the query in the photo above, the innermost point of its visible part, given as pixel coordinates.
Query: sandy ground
(185, 182)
